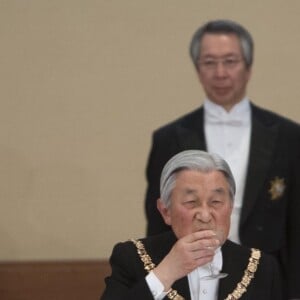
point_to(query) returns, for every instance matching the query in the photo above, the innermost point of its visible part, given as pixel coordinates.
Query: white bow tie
(222, 119)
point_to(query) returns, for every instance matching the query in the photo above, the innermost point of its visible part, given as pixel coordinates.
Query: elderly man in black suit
(194, 260)
(261, 147)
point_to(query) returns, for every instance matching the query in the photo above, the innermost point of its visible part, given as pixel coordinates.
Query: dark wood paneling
(61, 280)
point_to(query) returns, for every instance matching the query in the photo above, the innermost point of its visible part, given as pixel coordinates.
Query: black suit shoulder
(167, 140)
(270, 118)
(189, 120)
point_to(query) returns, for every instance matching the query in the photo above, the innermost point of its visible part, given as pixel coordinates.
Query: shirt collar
(215, 113)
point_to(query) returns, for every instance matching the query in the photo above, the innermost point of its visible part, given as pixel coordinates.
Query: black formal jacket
(268, 223)
(127, 280)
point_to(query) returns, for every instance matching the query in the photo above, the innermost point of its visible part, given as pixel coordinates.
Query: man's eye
(190, 202)
(209, 63)
(230, 62)
(216, 201)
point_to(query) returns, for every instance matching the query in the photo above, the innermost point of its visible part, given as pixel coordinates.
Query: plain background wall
(83, 85)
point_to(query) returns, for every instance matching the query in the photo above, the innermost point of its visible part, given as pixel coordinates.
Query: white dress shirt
(228, 134)
(200, 289)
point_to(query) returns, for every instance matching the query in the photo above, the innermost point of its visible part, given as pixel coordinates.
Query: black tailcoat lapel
(190, 133)
(262, 145)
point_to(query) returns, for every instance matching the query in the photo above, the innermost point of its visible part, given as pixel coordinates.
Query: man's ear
(164, 211)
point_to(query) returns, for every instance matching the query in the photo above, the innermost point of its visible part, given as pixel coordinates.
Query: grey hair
(227, 27)
(192, 160)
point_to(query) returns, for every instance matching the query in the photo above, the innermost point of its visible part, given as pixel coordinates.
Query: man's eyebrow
(219, 190)
(190, 191)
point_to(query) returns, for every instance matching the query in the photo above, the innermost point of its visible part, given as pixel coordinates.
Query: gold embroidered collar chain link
(240, 289)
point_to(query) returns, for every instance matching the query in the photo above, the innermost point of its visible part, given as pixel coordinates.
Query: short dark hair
(227, 27)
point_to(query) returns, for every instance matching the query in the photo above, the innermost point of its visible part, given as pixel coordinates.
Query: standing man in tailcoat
(261, 147)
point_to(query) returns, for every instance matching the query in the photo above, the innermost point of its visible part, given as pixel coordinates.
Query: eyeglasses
(212, 64)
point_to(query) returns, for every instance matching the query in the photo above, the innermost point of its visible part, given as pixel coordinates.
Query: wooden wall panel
(53, 280)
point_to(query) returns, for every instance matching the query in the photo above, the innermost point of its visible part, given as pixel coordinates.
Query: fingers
(187, 254)
(199, 235)
(203, 253)
(208, 244)
(201, 240)
(199, 247)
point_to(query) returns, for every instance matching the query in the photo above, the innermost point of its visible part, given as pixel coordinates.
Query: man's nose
(220, 69)
(203, 215)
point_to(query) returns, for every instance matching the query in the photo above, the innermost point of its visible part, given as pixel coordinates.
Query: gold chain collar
(240, 289)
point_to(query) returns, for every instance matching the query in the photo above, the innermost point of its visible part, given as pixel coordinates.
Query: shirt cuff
(155, 286)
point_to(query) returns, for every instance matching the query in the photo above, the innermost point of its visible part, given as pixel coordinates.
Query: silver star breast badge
(277, 188)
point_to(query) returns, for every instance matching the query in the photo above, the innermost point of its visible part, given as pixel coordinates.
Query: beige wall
(83, 84)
